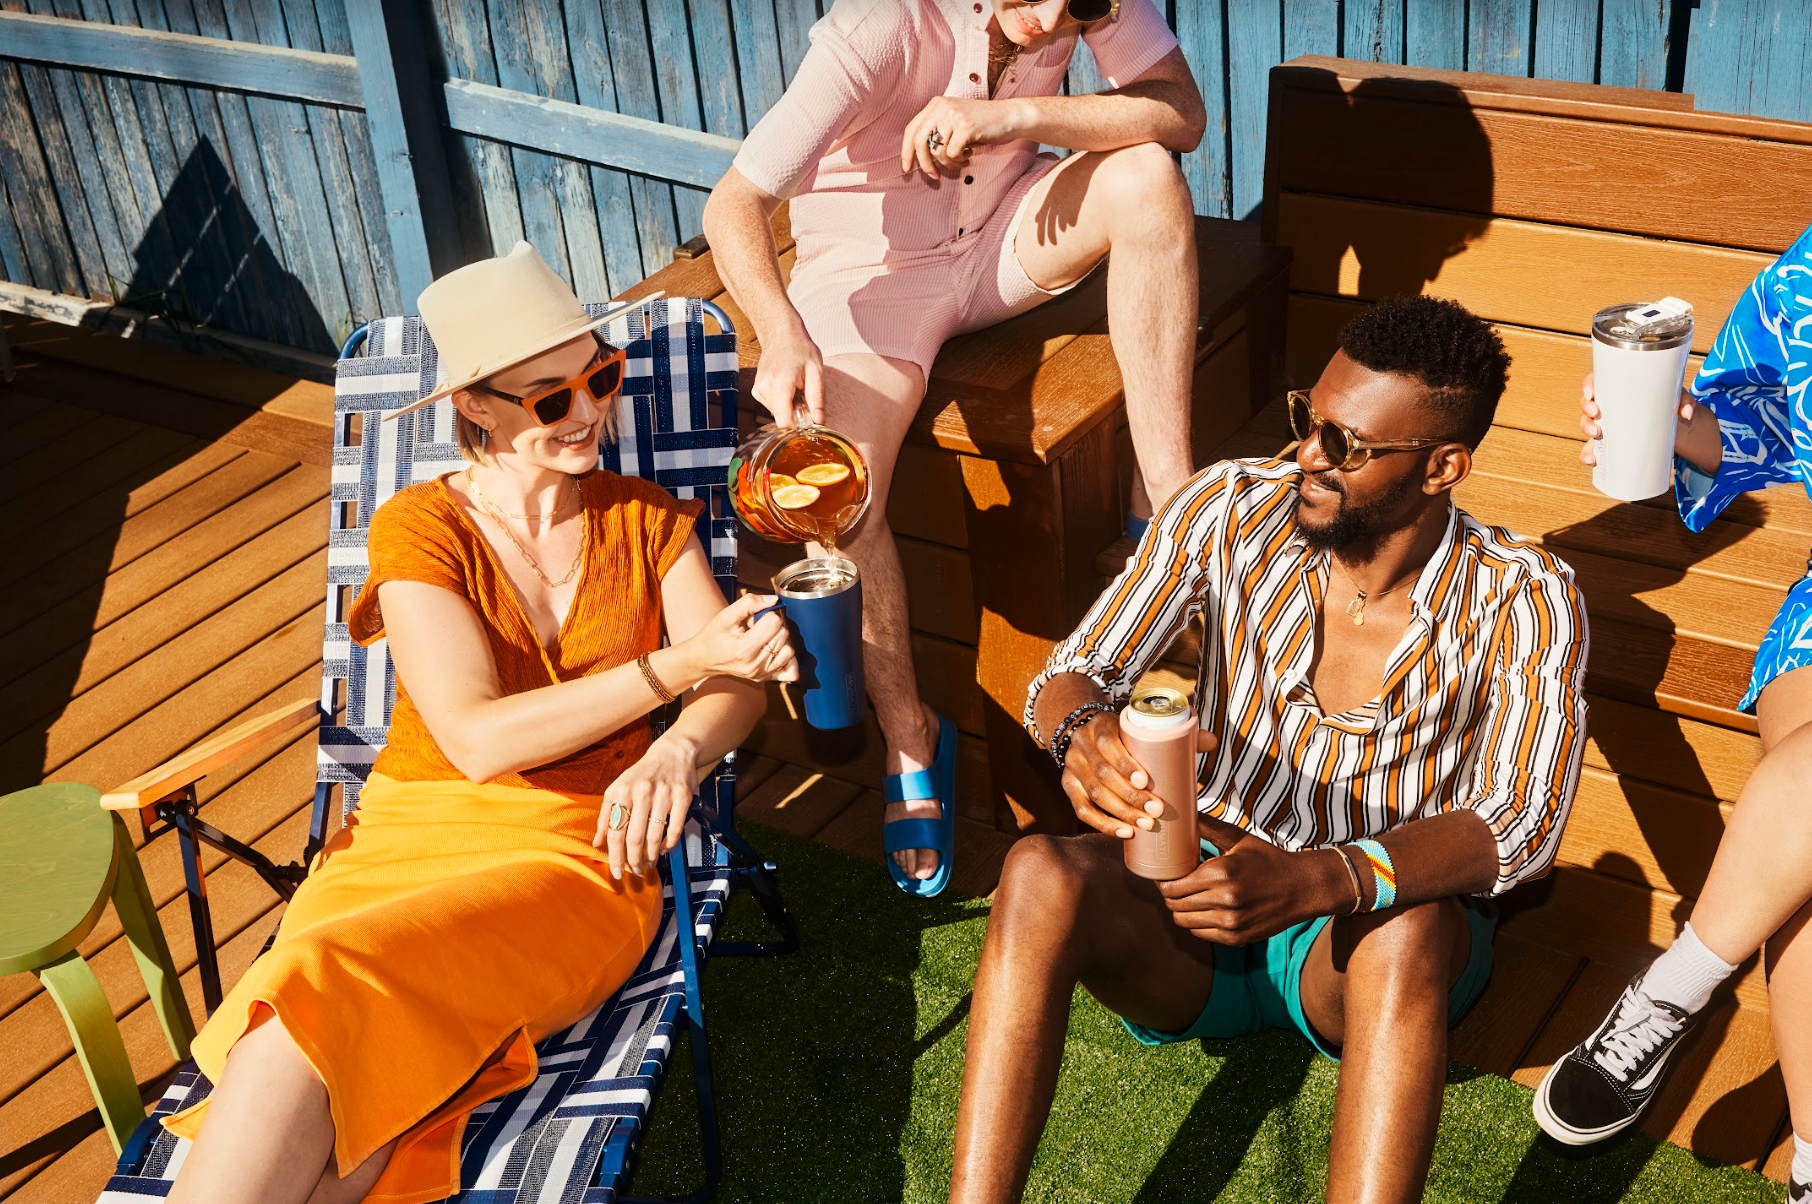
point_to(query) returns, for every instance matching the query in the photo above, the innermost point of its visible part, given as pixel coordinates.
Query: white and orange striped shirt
(1483, 702)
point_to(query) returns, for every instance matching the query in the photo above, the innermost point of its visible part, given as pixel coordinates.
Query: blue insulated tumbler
(822, 599)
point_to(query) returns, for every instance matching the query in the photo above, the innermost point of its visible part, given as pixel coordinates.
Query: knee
(1041, 879)
(1408, 948)
(1145, 183)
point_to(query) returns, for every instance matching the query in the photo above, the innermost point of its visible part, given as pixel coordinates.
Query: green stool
(61, 858)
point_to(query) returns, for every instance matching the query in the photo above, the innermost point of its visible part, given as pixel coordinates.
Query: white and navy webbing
(568, 1136)
(571, 1134)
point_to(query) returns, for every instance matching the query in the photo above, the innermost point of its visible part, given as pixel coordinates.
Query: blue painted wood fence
(280, 168)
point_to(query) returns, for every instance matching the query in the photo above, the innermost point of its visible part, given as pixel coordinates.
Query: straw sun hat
(491, 315)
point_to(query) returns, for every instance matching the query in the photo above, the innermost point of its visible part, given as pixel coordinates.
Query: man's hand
(790, 365)
(964, 125)
(1254, 889)
(1109, 790)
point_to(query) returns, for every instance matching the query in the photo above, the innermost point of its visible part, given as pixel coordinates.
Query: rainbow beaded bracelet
(1384, 874)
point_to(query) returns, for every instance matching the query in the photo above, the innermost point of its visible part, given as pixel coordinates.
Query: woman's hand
(962, 125)
(735, 643)
(1108, 789)
(1589, 415)
(651, 799)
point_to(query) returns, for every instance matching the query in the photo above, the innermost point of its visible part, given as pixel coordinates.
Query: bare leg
(1762, 874)
(1066, 912)
(334, 1190)
(1760, 882)
(873, 399)
(1377, 985)
(268, 1136)
(1790, 1012)
(1134, 204)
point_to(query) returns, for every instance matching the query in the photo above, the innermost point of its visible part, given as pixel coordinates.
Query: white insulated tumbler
(1638, 364)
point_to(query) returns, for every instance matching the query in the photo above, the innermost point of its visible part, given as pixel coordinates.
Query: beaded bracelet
(1384, 874)
(1071, 724)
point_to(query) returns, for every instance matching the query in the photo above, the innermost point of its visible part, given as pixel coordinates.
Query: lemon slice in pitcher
(795, 497)
(823, 474)
(779, 480)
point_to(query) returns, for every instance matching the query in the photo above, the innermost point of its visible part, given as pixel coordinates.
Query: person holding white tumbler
(1638, 363)
(1745, 424)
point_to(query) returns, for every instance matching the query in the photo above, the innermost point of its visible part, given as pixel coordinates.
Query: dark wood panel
(1527, 981)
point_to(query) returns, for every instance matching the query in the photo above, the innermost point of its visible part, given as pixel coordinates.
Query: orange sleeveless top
(638, 530)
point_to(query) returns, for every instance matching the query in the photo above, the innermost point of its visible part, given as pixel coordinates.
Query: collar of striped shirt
(1482, 704)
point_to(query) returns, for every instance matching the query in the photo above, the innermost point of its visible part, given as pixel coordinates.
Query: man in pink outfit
(908, 144)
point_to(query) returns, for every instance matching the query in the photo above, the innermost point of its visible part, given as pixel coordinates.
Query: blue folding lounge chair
(572, 1134)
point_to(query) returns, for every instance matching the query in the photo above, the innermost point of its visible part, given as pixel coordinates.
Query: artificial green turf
(838, 1069)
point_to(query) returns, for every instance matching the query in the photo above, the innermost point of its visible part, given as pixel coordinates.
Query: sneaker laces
(1640, 1028)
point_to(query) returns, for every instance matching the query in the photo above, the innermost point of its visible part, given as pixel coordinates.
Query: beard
(1354, 522)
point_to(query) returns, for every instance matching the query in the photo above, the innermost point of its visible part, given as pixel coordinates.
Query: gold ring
(619, 817)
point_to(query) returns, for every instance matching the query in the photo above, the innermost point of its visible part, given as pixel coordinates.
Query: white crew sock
(1802, 1160)
(1686, 974)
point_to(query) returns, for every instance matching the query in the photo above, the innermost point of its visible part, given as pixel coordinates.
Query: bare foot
(918, 864)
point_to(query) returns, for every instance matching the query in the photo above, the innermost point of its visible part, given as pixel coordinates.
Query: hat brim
(553, 341)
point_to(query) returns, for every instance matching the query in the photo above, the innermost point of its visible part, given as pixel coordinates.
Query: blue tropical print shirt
(1758, 381)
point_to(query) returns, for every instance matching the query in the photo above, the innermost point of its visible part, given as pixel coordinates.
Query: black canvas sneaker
(1602, 1086)
(1799, 1193)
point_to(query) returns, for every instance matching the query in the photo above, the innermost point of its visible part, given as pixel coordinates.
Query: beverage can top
(816, 577)
(1158, 708)
(1644, 325)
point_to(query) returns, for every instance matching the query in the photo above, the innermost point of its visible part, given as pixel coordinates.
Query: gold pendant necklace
(1355, 610)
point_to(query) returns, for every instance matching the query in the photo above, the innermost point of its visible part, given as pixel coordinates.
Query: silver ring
(934, 139)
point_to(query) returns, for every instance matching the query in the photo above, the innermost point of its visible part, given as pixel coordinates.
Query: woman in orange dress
(499, 878)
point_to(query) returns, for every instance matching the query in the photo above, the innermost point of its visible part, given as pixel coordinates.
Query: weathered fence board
(329, 79)
(224, 161)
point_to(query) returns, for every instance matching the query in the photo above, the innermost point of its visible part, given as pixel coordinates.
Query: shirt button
(968, 179)
(978, 8)
(959, 231)
(974, 78)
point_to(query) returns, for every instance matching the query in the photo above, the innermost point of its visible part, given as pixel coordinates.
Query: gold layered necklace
(498, 515)
(1355, 610)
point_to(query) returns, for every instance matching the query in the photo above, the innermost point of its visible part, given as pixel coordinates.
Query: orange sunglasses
(602, 378)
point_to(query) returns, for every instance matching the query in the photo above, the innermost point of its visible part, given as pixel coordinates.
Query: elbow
(1192, 124)
(476, 758)
(475, 766)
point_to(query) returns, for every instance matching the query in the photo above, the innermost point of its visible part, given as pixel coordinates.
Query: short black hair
(1446, 347)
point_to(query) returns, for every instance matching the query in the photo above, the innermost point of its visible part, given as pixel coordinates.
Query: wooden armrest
(190, 767)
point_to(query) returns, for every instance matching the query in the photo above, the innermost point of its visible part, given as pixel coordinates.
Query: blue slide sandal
(938, 782)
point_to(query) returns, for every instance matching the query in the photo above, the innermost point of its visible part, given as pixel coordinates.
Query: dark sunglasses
(1083, 12)
(601, 379)
(1343, 449)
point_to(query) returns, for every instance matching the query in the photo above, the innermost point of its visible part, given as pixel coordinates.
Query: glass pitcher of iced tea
(799, 484)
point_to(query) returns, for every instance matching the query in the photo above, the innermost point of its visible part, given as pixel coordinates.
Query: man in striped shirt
(1391, 715)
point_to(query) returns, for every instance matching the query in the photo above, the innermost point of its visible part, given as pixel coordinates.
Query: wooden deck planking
(1539, 998)
(169, 583)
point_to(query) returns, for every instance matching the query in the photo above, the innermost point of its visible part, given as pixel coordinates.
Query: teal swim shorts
(1259, 986)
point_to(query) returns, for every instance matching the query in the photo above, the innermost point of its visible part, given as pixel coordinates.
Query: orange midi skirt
(439, 934)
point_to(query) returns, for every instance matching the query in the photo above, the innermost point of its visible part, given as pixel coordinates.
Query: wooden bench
(1535, 204)
(1012, 481)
